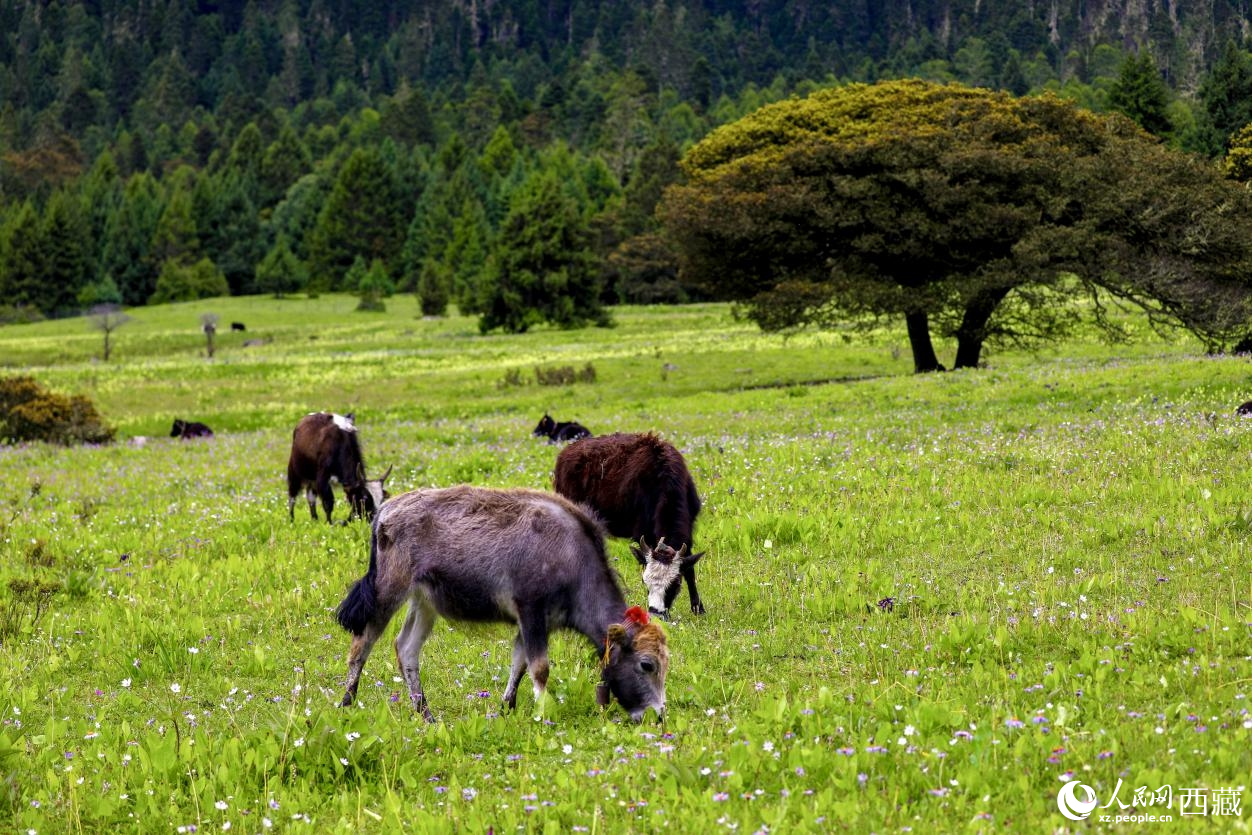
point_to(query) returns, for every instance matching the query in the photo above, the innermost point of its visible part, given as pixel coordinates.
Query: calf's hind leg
(688, 571)
(516, 669)
(417, 626)
(361, 646)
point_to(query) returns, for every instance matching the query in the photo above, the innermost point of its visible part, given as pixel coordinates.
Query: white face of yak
(661, 566)
(375, 489)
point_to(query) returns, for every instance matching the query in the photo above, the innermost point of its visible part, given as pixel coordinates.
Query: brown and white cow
(324, 449)
(640, 486)
(513, 556)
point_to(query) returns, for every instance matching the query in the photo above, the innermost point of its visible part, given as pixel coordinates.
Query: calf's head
(367, 495)
(179, 426)
(662, 572)
(635, 662)
(545, 428)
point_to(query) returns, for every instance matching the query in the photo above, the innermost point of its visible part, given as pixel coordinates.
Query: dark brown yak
(325, 448)
(640, 486)
(512, 556)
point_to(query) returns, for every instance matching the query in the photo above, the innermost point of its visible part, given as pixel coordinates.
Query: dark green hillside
(158, 149)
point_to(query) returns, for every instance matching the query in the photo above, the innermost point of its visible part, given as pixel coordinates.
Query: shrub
(187, 282)
(512, 377)
(25, 604)
(19, 314)
(373, 286)
(565, 375)
(29, 412)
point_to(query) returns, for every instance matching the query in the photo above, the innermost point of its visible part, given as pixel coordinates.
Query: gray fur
(513, 556)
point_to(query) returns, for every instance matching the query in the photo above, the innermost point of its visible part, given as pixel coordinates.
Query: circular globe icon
(1069, 804)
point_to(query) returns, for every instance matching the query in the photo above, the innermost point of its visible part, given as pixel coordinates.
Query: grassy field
(1063, 537)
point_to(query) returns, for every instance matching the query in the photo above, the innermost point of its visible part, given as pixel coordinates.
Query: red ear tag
(636, 615)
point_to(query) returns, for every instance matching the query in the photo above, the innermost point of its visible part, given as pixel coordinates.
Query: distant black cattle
(325, 448)
(237, 326)
(640, 486)
(190, 429)
(560, 432)
(1245, 409)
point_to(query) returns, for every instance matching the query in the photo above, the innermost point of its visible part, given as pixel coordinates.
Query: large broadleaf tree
(964, 211)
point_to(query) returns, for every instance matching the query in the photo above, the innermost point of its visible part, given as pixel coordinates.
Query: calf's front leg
(417, 627)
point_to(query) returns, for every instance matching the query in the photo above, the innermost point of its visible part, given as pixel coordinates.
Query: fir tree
(434, 284)
(373, 286)
(66, 253)
(1140, 93)
(541, 269)
(364, 216)
(21, 279)
(281, 272)
(128, 240)
(286, 160)
(175, 238)
(1226, 96)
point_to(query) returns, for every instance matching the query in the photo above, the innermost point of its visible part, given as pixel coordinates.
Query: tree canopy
(960, 209)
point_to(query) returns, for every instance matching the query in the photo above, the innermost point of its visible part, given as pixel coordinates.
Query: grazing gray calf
(512, 556)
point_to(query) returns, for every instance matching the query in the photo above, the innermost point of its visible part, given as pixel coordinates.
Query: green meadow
(932, 601)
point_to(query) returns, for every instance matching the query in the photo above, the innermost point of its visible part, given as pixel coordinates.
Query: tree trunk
(972, 333)
(924, 358)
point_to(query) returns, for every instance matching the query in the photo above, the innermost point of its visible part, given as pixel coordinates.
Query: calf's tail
(360, 606)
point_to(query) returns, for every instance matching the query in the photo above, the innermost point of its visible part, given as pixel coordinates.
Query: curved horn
(384, 476)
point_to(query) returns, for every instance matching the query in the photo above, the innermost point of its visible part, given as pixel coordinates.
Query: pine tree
(247, 154)
(1140, 93)
(128, 239)
(184, 282)
(434, 288)
(66, 251)
(281, 272)
(1226, 96)
(229, 227)
(465, 255)
(374, 286)
(541, 269)
(364, 216)
(175, 238)
(21, 277)
(286, 160)
(102, 292)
